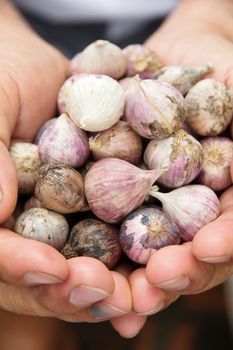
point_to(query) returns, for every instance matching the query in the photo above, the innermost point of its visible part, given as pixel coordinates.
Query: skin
(204, 263)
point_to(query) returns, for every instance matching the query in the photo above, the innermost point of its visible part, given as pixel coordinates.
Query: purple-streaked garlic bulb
(190, 207)
(209, 106)
(182, 77)
(114, 188)
(154, 110)
(93, 102)
(60, 188)
(43, 225)
(125, 83)
(27, 161)
(61, 99)
(146, 230)
(65, 143)
(183, 154)
(100, 57)
(141, 60)
(32, 202)
(215, 172)
(96, 239)
(42, 129)
(120, 141)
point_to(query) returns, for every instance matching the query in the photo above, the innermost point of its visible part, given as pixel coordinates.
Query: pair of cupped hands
(35, 278)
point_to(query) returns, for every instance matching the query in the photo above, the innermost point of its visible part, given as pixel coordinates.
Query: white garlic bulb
(95, 102)
(100, 57)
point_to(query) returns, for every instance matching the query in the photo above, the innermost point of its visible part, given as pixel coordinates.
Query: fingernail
(153, 311)
(85, 295)
(105, 310)
(215, 259)
(175, 284)
(35, 278)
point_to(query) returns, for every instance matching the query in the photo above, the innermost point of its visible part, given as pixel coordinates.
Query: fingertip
(8, 184)
(128, 326)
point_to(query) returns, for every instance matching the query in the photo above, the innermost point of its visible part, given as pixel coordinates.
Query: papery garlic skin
(215, 173)
(182, 77)
(33, 202)
(100, 57)
(60, 188)
(62, 94)
(43, 225)
(65, 143)
(27, 161)
(154, 110)
(94, 102)
(209, 106)
(120, 141)
(183, 154)
(141, 60)
(146, 230)
(190, 207)
(114, 188)
(96, 239)
(42, 129)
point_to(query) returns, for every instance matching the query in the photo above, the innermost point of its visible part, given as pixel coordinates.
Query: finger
(8, 184)
(128, 326)
(29, 262)
(147, 298)
(88, 282)
(177, 270)
(214, 242)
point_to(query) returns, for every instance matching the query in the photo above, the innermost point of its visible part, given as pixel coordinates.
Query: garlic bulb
(215, 172)
(183, 154)
(146, 230)
(209, 107)
(96, 239)
(27, 161)
(114, 188)
(182, 77)
(42, 129)
(60, 188)
(190, 207)
(61, 99)
(120, 141)
(141, 61)
(94, 102)
(32, 202)
(43, 225)
(65, 143)
(100, 57)
(154, 110)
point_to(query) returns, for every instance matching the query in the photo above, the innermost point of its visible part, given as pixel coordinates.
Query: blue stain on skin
(144, 220)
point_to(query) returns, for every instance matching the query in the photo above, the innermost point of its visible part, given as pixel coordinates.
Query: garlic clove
(154, 110)
(141, 60)
(182, 152)
(60, 188)
(27, 161)
(215, 172)
(94, 102)
(65, 143)
(100, 57)
(182, 77)
(146, 230)
(120, 141)
(209, 106)
(114, 188)
(96, 239)
(43, 225)
(190, 207)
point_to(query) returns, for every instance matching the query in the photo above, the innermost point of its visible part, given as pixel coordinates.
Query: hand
(198, 32)
(36, 279)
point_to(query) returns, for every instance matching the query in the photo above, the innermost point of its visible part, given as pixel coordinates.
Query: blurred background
(199, 322)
